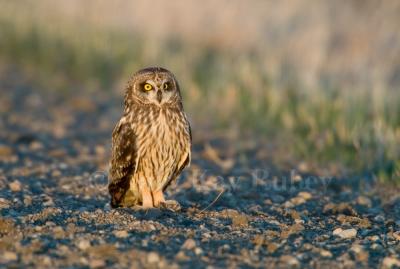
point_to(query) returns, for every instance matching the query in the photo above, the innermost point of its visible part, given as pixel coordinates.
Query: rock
(390, 262)
(376, 246)
(288, 204)
(297, 177)
(121, 234)
(360, 254)
(272, 247)
(56, 173)
(7, 226)
(48, 201)
(304, 194)
(396, 235)
(27, 200)
(290, 261)
(198, 251)
(294, 229)
(181, 256)
(97, 263)
(363, 223)
(35, 145)
(297, 200)
(295, 215)
(373, 238)
(303, 167)
(189, 244)
(5, 150)
(4, 203)
(259, 240)
(379, 218)
(153, 257)
(15, 186)
(276, 198)
(83, 244)
(364, 201)
(325, 253)
(239, 220)
(342, 208)
(9, 256)
(348, 233)
(58, 232)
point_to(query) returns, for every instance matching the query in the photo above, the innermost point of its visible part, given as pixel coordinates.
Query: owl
(151, 143)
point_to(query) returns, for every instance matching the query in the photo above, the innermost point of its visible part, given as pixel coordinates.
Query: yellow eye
(147, 87)
(165, 86)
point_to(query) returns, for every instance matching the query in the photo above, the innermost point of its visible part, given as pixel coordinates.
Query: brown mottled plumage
(151, 142)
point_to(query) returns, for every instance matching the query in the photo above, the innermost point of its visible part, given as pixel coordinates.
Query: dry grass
(322, 75)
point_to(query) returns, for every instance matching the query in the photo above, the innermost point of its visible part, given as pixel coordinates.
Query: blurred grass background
(320, 79)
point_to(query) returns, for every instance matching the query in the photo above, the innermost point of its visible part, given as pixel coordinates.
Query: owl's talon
(158, 198)
(171, 205)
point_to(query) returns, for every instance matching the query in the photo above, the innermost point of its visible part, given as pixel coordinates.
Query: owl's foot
(171, 205)
(158, 198)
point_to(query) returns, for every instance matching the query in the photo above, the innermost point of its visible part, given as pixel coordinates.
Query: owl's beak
(159, 96)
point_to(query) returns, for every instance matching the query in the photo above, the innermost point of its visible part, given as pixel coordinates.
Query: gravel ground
(238, 210)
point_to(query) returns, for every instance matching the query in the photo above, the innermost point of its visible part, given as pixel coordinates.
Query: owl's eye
(147, 87)
(166, 86)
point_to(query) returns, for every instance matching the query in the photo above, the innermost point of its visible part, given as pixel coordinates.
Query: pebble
(360, 254)
(121, 234)
(272, 247)
(348, 233)
(379, 218)
(189, 244)
(396, 235)
(15, 186)
(298, 200)
(153, 257)
(35, 145)
(390, 262)
(4, 203)
(325, 253)
(181, 256)
(27, 200)
(9, 256)
(288, 204)
(97, 263)
(240, 220)
(373, 238)
(290, 260)
(5, 150)
(304, 194)
(84, 244)
(198, 251)
(364, 201)
(294, 229)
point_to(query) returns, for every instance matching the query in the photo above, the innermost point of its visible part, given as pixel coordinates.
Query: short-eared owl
(151, 142)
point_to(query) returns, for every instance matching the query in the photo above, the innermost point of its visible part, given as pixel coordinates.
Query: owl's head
(153, 86)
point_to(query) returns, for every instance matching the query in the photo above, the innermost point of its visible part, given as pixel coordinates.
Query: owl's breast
(163, 142)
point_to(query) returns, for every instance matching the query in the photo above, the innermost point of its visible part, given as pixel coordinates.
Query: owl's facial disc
(157, 91)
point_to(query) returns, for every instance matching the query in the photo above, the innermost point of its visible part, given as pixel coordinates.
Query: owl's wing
(185, 161)
(123, 161)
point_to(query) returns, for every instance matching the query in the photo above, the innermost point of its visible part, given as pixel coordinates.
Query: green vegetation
(356, 130)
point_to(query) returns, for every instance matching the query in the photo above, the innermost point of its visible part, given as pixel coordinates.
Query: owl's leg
(147, 200)
(144, 190)
(158, 198)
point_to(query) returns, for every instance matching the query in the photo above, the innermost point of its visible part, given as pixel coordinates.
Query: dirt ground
(238, 209)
